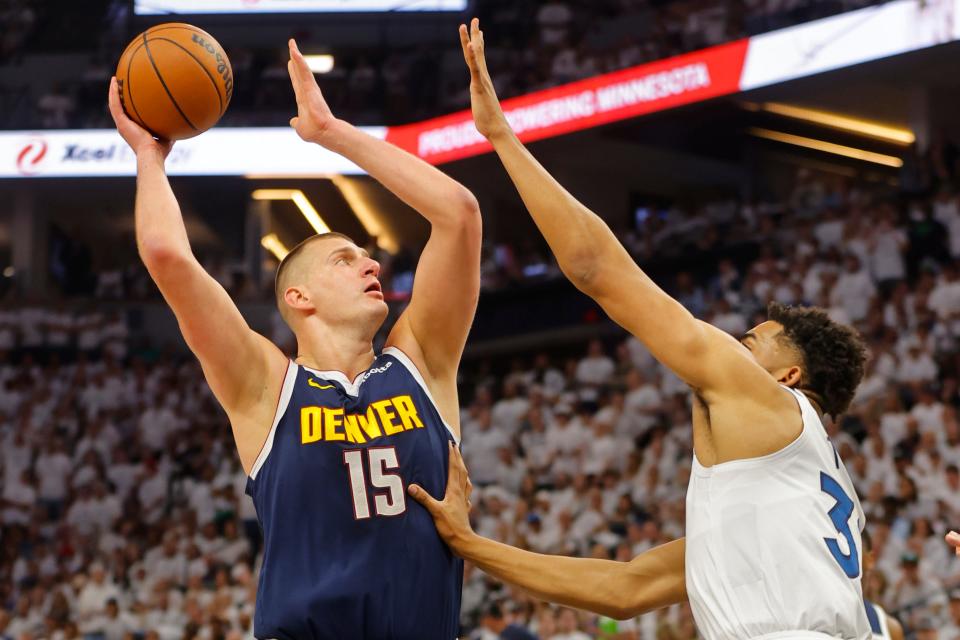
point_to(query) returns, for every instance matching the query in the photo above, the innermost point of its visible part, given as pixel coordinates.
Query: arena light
(320, 63)
(876, 130)
(300, 199)
(368, 216)
(828, 147)
(272, 243)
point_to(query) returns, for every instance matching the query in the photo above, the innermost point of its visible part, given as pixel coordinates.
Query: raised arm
(594, 260)
(433, 329)
(244, 369)
(621, 590)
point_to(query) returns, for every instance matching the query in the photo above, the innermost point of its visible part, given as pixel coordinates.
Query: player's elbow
(161, 257)
(461, 219)
(625, 605)
(620, 611)
(580, 268)
(467, 203)
(467, 213)
(631, 602)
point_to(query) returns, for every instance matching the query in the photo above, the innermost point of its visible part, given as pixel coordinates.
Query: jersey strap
(286, 391)
(408, 364)
(873, 617)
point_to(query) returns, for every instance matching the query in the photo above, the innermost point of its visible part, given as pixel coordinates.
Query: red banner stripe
(619, 95)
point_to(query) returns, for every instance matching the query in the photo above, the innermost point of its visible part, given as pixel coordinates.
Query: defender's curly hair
(833, 354)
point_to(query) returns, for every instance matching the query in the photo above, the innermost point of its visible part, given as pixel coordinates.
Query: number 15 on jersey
(385, 482)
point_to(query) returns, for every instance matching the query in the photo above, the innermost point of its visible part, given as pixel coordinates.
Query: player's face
(766, 346)
(345, 280)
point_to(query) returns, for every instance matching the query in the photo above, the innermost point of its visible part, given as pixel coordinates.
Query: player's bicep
(235, 359)
(657, 578)
(702, 355)
(445, 293)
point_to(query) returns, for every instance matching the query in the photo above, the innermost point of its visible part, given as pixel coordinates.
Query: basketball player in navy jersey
(331, 439)
(772, 546)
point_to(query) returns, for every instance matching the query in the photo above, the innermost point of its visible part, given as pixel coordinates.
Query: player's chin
(374, 302)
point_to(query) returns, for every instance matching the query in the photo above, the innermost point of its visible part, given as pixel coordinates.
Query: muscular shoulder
(442, 385)
(745, 425)
(252, 417)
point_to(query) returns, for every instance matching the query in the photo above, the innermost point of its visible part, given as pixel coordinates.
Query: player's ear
(790, 377)
(297, 298)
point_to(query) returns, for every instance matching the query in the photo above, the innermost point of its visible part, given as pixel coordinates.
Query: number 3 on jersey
(840, 516)
(381, 461)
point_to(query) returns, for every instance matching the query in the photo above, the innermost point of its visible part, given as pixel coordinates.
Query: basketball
(175, 80)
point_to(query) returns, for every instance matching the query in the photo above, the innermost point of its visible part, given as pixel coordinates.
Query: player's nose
(371, 267)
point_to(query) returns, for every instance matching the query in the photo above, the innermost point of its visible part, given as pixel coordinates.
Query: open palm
(487, 114)
(313, 117)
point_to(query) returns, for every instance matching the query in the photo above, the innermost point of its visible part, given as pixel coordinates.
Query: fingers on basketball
(113, 101)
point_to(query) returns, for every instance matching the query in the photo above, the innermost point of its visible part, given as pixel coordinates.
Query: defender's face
(343, 278)
(766, 346)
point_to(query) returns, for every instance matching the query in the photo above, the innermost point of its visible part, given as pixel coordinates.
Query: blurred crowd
(124, 514)
(533, 45)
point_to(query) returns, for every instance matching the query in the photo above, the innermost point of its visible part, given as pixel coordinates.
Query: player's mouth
(374, 289)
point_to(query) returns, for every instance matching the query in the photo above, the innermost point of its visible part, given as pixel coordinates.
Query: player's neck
(326, 349)
(815, 399)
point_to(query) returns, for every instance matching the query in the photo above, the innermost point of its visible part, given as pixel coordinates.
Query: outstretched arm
(433, 329)
(209, 320)
(594, 260)
(620, 590)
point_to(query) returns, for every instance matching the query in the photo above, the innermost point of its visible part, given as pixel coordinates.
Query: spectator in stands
(101, 502)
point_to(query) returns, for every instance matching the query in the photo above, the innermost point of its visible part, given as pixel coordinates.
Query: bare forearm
(575, 234)
(159, 223)
(435, 195)
(597, 263)
(576, 582)
(616, 589)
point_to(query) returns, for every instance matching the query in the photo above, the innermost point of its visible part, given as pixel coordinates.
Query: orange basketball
(175, 80)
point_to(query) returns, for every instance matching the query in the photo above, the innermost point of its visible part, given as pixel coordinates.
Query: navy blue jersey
(347, 553)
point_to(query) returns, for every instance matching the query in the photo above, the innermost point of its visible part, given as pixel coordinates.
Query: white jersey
(773, 543)
(878, 621)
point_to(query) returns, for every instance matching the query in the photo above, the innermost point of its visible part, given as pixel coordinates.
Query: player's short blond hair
(288, 267)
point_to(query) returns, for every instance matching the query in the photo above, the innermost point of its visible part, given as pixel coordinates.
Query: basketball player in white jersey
(773, 522)
(883, 626)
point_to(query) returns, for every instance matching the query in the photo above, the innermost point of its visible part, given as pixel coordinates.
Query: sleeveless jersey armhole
(807, 412)
(286, 391)
(409, 365)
